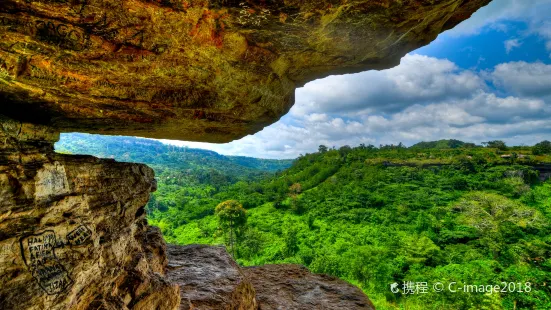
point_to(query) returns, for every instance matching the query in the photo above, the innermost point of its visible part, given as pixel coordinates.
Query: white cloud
(317, 117)
(542, 27)
(497, 11)
(418, 79)
(511, 44)
(528, 79)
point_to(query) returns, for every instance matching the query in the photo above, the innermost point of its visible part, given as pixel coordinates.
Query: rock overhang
(210, 71)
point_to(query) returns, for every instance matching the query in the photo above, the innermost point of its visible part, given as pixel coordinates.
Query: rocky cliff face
(73, 233)
(209, 279)
(294, 287)
(205, 70)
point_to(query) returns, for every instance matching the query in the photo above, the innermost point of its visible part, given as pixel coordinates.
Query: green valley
(437, 212)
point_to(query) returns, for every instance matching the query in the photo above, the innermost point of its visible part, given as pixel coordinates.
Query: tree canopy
(232, 218)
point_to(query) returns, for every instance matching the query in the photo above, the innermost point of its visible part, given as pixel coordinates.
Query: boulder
(209, 279)
(294, 287)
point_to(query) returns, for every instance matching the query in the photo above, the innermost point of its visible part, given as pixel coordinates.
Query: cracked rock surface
(209, 279)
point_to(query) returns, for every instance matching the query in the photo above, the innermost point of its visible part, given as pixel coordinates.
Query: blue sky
(489, 78)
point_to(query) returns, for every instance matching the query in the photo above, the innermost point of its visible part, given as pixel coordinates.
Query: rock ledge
(210, 279)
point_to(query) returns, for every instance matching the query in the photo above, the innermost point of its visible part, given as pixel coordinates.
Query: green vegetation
(441, 144)
(157, 154)
(187, 179)
(376, 216)
(541, 148)
(497, 144)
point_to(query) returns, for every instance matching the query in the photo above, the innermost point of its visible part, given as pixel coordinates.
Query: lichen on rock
(209, 70)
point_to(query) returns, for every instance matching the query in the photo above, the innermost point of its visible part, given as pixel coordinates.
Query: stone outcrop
(205, 70)
(294, 287)
(73, 233)
(210, 279)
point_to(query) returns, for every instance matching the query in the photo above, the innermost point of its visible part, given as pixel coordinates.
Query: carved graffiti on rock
(52, 277)
(79, 235)
(38, 253)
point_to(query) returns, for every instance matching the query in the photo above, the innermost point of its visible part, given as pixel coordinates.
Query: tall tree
(232, 217)
(496, 144)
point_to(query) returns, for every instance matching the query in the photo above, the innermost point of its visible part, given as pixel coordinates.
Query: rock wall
(544, 171)
(73, 233)
(205, 70)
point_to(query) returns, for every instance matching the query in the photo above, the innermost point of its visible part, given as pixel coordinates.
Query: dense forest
(187, 178)
(443, 211)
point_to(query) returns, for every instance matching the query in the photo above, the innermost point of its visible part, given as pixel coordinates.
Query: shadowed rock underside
(204, 70)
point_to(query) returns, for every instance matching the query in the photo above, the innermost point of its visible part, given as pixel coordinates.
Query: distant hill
(441, 144)
(151, 152)
(185, 176)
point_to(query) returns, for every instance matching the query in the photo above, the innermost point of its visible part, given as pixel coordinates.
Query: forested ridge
(443, 211)
(187, 178)
(161, 156)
